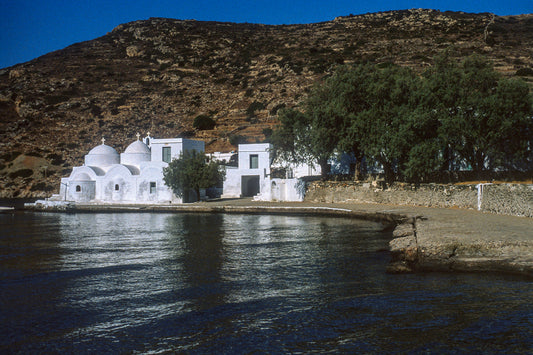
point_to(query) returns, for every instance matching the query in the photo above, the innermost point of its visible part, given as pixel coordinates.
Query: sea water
(215, 283)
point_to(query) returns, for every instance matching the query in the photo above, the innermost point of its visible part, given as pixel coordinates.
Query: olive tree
(192, 171)
(310, 136)
(415, 126)
(485, 120)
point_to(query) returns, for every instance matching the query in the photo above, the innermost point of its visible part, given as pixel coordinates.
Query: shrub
(121, 101)
(23, 173)
(34, 154)
(524, 72)
(262, 80)
(254, 106)
(196, 101)
(56, 99)
(203, 122)
(164, 66)
(276, 108)
(55, 159)
(10, 156)
(186, 134)
(221, 80)
(236, 139)
(40, 186)
(267, 132)
(96, 110)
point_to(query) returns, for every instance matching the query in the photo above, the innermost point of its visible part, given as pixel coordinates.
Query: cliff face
(158, 75)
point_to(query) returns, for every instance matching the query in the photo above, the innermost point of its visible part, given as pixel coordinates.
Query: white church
(135, 176)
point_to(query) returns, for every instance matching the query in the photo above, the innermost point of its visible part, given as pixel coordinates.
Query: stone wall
(512, 199)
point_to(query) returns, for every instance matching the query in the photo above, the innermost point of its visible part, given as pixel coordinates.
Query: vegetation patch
(203, 122)
(416, 128)
(254, 106)
(22, 173)
(524, 72)
(236, 139)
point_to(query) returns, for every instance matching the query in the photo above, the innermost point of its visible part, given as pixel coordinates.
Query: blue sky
(30, 28)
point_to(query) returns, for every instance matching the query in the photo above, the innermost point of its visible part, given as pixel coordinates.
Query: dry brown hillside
(157, 75)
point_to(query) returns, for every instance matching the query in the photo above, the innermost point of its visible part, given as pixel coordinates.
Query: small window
(254, 161)
(78, 188)
(117, 187)
(166, 154)
(152, 187)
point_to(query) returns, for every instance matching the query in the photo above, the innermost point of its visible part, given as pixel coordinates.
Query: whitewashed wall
(234, 176)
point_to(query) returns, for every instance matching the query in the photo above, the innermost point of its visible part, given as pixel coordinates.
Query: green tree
(312, 136)
(289, 136)
(192, 171)
(414, 126)
(309, 137)
(384, 125)
(485, 120)
(511, 115)
(326, 120)
(349, 97)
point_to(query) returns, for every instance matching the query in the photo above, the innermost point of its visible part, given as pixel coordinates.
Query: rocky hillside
(158, 75)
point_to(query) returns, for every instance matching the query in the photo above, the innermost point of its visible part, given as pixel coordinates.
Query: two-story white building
(252, 177)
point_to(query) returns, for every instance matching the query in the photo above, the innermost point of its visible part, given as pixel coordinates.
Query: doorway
(249, 185)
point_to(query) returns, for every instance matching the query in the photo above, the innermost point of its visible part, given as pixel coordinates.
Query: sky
(31, 28)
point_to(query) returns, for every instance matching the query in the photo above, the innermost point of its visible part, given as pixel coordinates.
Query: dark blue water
(160, 283)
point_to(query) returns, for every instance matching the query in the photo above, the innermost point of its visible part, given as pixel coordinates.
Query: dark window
(117, 187)
(254, 161)
(166, 154)
(152, 187)
(78, 188)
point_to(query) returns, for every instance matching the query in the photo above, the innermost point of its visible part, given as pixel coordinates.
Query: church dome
(103, 149)
(137, 147)
(102, 155)
(136, 153)
(82, 177)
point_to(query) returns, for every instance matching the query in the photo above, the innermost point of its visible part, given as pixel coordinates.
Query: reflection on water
(238, 283)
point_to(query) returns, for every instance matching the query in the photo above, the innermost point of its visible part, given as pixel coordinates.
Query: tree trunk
(359, 174)
(324, 167)
(389, 173)
(197, 194)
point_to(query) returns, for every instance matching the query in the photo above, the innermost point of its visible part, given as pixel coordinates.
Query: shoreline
(424, 239)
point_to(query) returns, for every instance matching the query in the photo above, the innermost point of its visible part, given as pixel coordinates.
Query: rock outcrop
(426, 245)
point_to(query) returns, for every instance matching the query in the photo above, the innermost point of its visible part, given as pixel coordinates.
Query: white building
(135, 176)
(252, 177)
